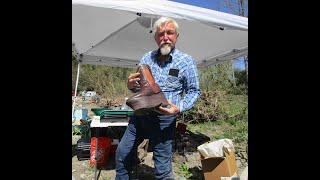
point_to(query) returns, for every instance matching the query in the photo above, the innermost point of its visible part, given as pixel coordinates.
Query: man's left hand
(173, 110)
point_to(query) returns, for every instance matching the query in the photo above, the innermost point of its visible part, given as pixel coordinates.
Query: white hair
(164, 20)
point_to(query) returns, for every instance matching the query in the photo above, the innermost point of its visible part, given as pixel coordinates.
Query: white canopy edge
(233, 54)
(126, 63)
(157, 8)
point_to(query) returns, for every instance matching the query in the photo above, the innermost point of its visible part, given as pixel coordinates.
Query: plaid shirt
(181, 88)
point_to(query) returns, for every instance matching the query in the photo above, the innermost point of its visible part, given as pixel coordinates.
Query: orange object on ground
(103, 151)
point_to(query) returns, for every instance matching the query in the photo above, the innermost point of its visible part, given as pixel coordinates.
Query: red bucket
(102, 152)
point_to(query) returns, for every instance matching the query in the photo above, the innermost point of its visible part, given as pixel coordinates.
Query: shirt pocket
(173, 82)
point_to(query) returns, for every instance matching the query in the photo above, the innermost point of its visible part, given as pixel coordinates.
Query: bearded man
(176, 74)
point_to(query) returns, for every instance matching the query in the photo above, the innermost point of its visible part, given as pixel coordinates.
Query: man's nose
(165, 36)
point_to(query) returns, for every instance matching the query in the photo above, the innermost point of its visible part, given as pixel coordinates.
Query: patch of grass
(82, 130)
(235, 106)
(184, 171)
(90, 169)
(217, 106)
(232, 129)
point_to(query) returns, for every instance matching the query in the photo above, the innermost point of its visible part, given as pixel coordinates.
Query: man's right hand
(133, 81)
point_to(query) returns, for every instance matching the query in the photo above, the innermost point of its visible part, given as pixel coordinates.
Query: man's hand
(173, 110)
(133, 81)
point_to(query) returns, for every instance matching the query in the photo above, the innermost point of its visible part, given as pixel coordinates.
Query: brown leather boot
(150, 96)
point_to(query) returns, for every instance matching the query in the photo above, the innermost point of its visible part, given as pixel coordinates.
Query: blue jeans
(160, 132)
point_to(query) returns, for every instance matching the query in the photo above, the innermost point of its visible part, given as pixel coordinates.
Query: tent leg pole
(75, 91)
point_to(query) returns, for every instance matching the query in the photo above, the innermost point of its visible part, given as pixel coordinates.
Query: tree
(238, 7)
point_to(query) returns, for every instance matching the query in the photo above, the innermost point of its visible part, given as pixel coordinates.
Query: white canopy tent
(118, 32)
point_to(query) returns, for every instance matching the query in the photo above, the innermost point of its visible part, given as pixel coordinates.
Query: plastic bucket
(99, 154)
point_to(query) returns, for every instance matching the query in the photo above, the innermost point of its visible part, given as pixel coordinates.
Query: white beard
(165, 49)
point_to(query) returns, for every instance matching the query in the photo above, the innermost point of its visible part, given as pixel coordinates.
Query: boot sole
(147, 102)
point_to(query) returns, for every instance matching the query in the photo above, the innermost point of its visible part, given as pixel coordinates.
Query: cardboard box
(216, 167)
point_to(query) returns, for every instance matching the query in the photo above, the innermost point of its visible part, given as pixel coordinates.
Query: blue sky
(209, 4)
(201, 3)
(217, 5)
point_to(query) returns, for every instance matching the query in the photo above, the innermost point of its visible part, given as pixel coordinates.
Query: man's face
(166, 37)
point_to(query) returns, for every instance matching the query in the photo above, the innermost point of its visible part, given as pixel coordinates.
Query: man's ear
(177, 35)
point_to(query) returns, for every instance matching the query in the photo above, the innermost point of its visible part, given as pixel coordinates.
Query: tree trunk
(233, 77)
(246, 66)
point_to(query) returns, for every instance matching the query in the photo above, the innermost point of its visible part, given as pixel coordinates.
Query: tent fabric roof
(118, 32)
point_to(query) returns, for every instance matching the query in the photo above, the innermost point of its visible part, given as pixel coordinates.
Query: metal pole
(75, 91)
